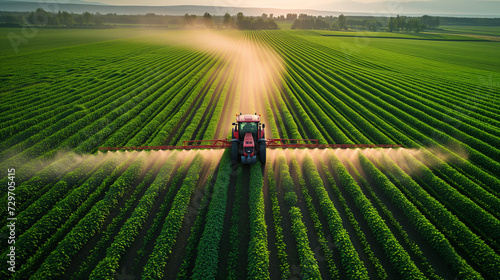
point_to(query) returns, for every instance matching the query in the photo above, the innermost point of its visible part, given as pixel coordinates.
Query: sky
(487, 7)
(292, 4)
(374, 7)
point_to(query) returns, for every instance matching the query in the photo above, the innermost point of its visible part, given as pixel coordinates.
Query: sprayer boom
(270, 143)
(248, 142)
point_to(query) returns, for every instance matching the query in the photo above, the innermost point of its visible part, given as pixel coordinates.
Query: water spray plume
(256, 66)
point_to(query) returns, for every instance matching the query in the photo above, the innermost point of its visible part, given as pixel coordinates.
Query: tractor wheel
(262, 152)
(234, 151)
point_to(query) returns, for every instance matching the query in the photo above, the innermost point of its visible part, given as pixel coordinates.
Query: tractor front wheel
(234, 151)
(262, 152)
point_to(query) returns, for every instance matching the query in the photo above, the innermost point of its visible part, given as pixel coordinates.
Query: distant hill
(465, 8)
(19, 6)
(389, 8)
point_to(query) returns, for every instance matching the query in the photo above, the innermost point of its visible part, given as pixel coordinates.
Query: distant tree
(342, 22)
(98, 22)
(239, 18)
(430, 22)
(400, 22)
(371, 24)
(39, 17)
(320, 24)
(271, 16)
(303, 24)
(227, 21)
(414, 25)
(87, 18)
(303, 16)
(10, 19)
(189, 19)
(392, 24)
(291, 16)
(61, 18)
(243, 22)
(207, 20)
(310, 23)
(264, 16)
(335, 25)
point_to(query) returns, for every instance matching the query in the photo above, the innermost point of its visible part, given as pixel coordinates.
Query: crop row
(279, 243)
(76, 92)
(208, 248)
(308, 264)
(397, 256)
(334, 274)
(451, 226)
(155, 265)
(92, 99)
(325, 62)
(258, 254)
(130, 229)
(115, 132)
(56, 263)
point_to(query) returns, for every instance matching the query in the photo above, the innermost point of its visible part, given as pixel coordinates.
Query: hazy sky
(290, 4)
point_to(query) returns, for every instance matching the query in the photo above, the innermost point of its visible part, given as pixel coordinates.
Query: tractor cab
(248, 139)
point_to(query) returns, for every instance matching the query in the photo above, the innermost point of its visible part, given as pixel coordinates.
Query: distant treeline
(41, 17)
(398, 23)
(391, 24)
(239, 21)
(470, 21)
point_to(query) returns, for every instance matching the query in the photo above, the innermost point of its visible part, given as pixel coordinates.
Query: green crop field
(428, 210)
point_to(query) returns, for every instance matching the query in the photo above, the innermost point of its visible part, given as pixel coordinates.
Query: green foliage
(186, 269)
(96, 91)
(398, 257)
(380, 271)
(129, 231)
(334, 274)
(451, 225)
(56, 262)
(208, 248)
(40, 223)
(353, 266)
(258, 254)
(234, 234)
(308, 264)
(280, 243)
(249, 23)
(162, 250)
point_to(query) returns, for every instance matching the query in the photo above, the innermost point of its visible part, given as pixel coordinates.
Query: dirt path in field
(255, 64)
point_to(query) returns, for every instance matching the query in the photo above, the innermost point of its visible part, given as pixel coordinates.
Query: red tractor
(248, 140)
